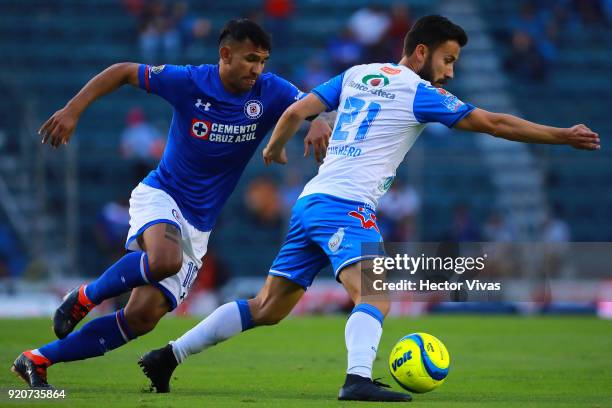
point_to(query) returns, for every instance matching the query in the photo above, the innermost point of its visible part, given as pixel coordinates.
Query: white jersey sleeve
(382, 109)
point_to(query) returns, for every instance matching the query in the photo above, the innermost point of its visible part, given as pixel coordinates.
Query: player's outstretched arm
(58, 129)
(520, 130)
(288, 124)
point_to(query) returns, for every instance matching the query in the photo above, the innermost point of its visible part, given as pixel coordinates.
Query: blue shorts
(324, 229)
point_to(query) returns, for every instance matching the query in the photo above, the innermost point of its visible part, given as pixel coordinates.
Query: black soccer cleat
(73, 309)
(357, 388)
(32, 369)
(159, 365)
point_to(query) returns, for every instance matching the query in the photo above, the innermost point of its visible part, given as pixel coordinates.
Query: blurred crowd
(13, 260)
(372, 33)
(534, 35)
(165, 29)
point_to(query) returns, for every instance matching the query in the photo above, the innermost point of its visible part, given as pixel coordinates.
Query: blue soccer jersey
(213, 133)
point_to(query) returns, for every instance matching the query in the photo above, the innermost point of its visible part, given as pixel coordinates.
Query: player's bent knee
(141, 322)
(163, 265)
(141, 326)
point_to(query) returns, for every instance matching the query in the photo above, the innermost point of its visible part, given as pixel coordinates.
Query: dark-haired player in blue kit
(221, 114)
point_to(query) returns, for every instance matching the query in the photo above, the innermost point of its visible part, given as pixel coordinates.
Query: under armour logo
(201, 105)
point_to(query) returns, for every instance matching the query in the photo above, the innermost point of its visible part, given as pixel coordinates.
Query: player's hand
(58, 129)
(581, 137)
(272, 155)
(318, 136)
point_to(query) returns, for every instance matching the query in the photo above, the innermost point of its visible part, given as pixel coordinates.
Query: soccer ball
(419, 362)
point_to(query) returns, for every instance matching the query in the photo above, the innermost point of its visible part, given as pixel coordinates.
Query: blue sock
(127, 273)
(245, 315)
(94, 339)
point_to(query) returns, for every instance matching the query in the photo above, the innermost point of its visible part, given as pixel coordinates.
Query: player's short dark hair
(433, 31)
(243, 29)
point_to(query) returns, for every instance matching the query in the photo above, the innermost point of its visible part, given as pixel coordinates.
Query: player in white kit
(382, 109)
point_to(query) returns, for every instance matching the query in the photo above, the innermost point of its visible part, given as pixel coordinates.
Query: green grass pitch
(495, 362)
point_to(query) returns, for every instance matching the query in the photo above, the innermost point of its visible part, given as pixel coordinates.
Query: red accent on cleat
(84, 300)
(36, 359)
(40, 364)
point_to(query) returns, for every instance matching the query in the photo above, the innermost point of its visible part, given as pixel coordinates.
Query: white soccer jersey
(382, 109)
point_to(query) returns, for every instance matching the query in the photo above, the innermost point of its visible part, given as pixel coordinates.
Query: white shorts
(149, 206)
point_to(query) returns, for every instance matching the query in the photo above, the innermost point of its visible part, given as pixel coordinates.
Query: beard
(426, 72)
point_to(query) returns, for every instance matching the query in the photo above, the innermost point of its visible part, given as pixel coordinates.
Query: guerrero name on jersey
(362, 159)
(213, 133)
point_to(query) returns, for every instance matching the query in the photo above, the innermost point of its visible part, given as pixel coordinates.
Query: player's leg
(275, 300)
(362, 335)
(160, 258)
(146, 306)
(364, 325)
(348, 234)
(293, 270)
(272, 304)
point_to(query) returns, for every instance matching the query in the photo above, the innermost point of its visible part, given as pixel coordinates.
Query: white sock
(220, 325)
(362, 335)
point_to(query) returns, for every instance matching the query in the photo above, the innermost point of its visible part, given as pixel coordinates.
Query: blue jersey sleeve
(433, 104)
(167, 81)
(329, 92)
(286, 93)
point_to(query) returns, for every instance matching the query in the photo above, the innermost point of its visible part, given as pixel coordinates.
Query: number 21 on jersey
(348, 117)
